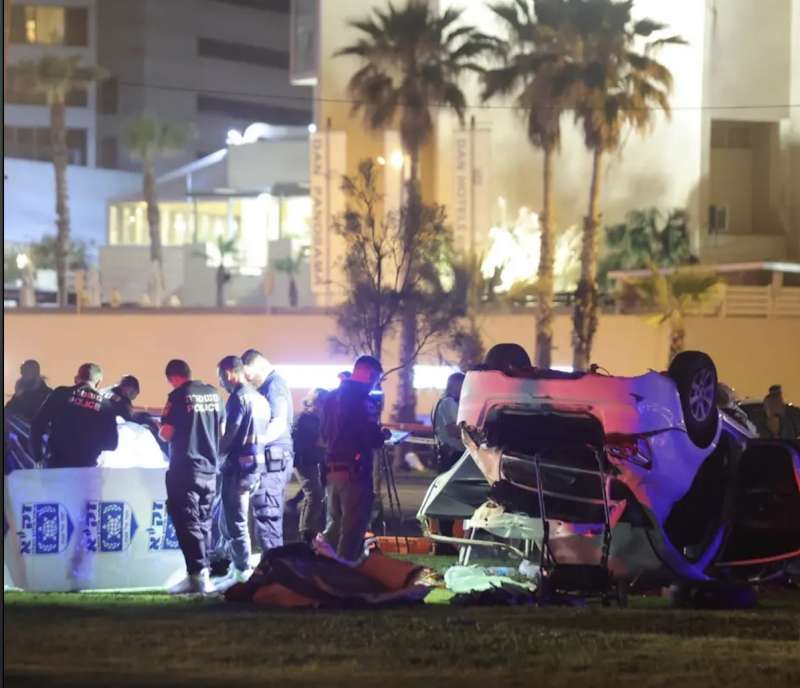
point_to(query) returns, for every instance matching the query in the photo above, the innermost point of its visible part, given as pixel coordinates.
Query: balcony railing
(752, 302)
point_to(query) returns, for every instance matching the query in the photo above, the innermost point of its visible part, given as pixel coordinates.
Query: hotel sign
(471, 204)
(327, 151)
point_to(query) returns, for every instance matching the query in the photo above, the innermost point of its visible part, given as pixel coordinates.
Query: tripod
(384, 475)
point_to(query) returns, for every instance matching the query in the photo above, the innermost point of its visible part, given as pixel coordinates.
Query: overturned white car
(608, 479)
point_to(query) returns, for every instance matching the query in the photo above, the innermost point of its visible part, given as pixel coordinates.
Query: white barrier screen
(89, 529)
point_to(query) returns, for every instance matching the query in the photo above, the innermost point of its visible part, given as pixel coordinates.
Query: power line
(481, 106)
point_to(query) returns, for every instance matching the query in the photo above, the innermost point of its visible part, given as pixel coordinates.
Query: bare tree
(390, 270)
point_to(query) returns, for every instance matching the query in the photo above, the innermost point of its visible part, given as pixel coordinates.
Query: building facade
(46, 27)
(729, 154)
(217, 64)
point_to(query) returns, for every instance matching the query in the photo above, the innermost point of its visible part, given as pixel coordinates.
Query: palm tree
(472, 289)
(54, 77)
(6, 31)
(412, 60)
(647, 236)
(537, 47)
(672, 294)
(226, 251)
(291, 267)
(614, 84)
(147, 139)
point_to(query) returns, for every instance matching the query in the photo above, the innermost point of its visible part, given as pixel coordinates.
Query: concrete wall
(751, 354)
(263, 164)
(750, 65)
(188, 276)
(29, 200)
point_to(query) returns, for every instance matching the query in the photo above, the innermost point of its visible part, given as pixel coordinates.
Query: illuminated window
(49, 25)
(296, 218)
(44, 25)
(113, 225)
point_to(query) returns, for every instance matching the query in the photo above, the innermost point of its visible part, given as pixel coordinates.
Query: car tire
(695, 375)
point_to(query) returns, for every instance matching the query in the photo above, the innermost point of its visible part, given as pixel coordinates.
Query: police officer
(351, 431)
(78, 426)
(309, 454)
(191, 423)
(119, 399)
(242, 461)
(30, 391)
(279, 456)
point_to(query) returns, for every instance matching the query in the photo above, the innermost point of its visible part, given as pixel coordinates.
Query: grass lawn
(154, 640)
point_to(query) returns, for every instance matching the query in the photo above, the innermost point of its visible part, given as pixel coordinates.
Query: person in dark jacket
(77, 425)
(242, 465)
(30, 391)
(309, 453)
(191, 423)
(119, 399)
(351, 431)
(268, 499)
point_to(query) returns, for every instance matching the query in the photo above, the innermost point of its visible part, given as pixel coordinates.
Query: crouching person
(242, 447)
(351, 430)
(191, 424)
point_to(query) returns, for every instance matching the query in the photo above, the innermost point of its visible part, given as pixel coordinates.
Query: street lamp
(396, 159)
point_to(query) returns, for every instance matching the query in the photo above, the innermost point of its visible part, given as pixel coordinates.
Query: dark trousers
(231, 519)
(267, 500)
(189, 498)
(350, 497)
(310, 477)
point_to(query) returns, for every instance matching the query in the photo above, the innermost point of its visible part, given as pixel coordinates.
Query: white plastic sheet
(88, 529)
(136, 447)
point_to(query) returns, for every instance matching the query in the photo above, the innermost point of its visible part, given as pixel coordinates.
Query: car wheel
(695, 375)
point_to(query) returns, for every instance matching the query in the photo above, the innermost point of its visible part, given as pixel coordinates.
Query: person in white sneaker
(247, 415)
(191, 423)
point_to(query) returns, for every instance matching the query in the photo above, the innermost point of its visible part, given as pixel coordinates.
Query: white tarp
(88, 529)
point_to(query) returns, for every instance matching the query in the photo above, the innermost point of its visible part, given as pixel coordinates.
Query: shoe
(194, 584)
(233, 577)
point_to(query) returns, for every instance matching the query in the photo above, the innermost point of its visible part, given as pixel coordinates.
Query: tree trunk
(377, 342)
(292, 292)
(585, 314)
(154, 229)
(544, 300)
(406, 410)
(677, 338)
(6, 32)
(58, 146)
(221, 285)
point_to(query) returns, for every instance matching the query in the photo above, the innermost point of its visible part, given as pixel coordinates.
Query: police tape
(88, 529)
